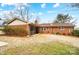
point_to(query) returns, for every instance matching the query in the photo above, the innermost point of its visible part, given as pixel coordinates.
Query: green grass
(54, 48)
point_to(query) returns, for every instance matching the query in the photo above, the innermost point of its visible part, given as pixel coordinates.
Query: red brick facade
(51, 29)
(54, 30)
(26, 26)
(65, 30)
(48, 28)
(19, 26)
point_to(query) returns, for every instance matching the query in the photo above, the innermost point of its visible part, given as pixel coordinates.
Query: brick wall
(47, 30)
(53, 30)
(65, 30)
(26, 26)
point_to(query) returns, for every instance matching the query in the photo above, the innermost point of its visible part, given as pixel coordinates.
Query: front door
(36, 30)
(32, 29)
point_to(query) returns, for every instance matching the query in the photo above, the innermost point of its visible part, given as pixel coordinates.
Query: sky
(46, 12)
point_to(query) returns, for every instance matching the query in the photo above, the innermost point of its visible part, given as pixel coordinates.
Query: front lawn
(53, 48)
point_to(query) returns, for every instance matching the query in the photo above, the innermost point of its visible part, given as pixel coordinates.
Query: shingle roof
(10, 21)
(56, 25)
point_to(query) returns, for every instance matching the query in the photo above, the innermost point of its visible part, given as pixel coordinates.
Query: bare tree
(9, 16)
(23, 11)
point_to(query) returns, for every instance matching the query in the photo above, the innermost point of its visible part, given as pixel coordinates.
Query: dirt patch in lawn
(36, 40)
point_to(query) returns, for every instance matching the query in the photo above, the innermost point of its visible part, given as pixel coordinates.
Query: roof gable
(17, 22)
(15, 19)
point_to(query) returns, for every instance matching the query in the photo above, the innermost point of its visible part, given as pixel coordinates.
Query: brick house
(17, 23)
(54, 28)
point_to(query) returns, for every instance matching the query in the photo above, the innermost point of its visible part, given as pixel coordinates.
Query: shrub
(64, 34)
(75, 33)
(57, 33)
(17, 31)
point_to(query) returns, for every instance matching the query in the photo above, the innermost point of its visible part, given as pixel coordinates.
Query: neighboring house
(54, 28)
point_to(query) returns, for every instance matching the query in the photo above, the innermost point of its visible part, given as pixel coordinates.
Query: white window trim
(61, 28)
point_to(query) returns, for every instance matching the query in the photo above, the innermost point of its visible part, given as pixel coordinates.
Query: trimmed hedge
(16, 31)
(75, 33)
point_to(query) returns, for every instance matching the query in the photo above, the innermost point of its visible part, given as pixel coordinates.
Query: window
(61, 28)
(43, 29)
